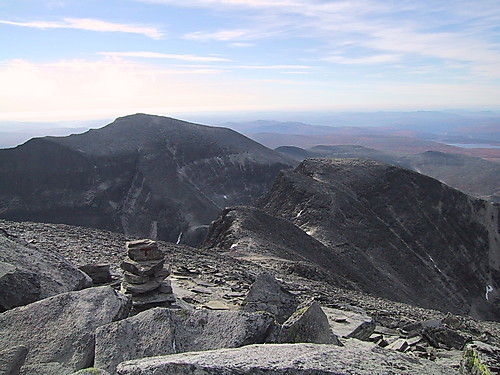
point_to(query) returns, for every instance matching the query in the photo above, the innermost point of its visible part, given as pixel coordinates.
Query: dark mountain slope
(402, 235)
(469, 174)
(251, 234)
(143, 175)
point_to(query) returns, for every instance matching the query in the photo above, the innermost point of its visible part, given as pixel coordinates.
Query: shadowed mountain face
(143, 175)
(469, 174)
(390, 231)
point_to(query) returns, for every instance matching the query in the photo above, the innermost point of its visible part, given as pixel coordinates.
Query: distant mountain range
(480, 136)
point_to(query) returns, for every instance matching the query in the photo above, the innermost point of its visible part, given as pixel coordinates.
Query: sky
(84, 59)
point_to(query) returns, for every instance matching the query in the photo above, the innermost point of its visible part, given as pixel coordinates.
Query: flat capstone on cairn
(144, 276)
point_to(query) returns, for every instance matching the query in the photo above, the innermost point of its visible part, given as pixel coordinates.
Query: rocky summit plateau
(339, 266)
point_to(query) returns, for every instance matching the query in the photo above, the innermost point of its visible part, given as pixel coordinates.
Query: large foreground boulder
(59, 331)
(28, 275)
(162, 331)
(290, 359)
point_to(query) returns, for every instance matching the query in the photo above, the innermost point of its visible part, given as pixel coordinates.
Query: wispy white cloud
(241, 44)
(158, 55)
(91, 25)
(393, 31)
(374, 59)
(263, 67)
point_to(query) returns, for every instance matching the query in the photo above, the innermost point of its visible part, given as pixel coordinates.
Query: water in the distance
(473, 145)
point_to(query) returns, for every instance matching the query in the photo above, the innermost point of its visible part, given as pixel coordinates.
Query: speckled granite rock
(289, 359)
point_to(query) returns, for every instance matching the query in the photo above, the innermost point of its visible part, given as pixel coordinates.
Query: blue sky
(82, 59)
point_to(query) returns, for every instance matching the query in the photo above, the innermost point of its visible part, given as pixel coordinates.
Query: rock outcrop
(267, 294)
(308, 324)
(290, 359)
(28, 274)
(59, 331)
(143, 175)
(162, 331)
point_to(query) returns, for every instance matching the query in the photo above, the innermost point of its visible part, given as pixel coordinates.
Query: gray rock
(28, 274)
(344, 322)
(267, 294)
(46, 368)
(445, 338)
(479, 356)
(400, 345)
(363, 331)
(144, 268)
(308, 324)
(91, 371)
(162, 274)
(165, 287)
(59, 331)
(151, 298)
(12, 359)
(17, 286)
(139, 288)
(136, 279)
(143, 250)
(289, 359)
(161, 331)
(99, 273)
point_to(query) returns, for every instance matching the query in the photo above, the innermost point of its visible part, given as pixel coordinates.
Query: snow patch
(300, 213)
(311, 231)
(179, 238)
(489, 289)
(434, 263)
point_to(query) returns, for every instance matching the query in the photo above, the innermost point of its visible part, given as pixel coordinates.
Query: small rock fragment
(363, 331)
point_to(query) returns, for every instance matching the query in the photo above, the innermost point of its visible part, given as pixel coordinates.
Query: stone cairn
(144, 275)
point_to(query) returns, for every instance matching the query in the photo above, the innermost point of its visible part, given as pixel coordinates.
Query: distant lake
(472, 145)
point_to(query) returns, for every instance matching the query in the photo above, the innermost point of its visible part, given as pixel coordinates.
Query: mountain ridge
(396, 231)
(146, 175)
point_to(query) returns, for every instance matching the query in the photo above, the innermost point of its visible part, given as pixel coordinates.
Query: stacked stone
(144, 274)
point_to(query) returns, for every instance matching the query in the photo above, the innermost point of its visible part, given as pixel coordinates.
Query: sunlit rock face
(143, 175)
(396, 233)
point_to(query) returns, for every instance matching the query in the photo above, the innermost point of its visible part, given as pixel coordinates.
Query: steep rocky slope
(248, 233)
(396, 233)
(472, 175)
(143, 175)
